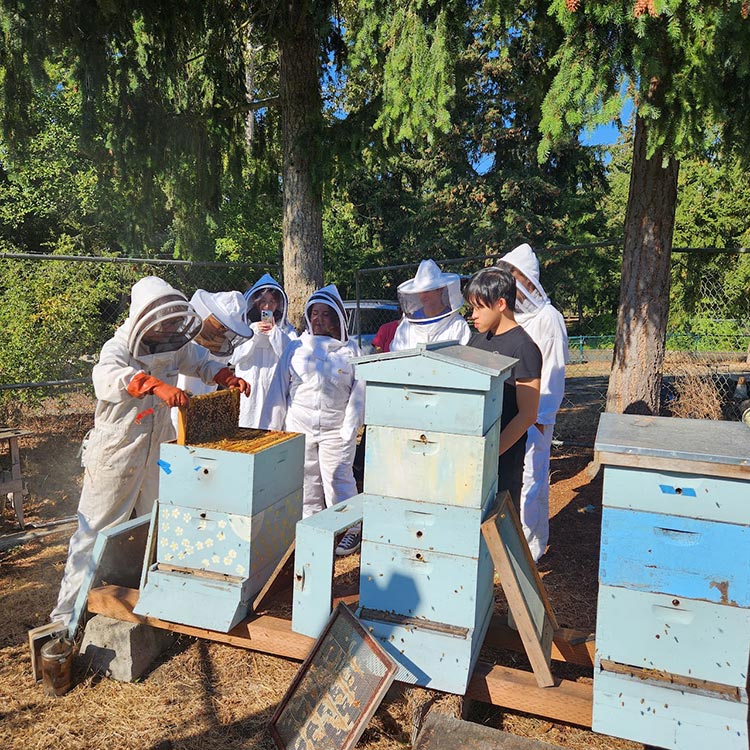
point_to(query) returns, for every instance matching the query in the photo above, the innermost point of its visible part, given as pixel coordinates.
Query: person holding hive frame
(314, 392)
(224, 327)
(134, 381)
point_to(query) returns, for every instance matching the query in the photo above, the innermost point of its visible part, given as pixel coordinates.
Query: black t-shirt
(518, 344)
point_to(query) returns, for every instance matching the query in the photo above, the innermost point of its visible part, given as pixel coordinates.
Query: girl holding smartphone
(255, 360)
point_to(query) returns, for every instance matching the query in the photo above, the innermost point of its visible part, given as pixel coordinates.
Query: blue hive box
(426, 576)
(225, 516)
(673, 613)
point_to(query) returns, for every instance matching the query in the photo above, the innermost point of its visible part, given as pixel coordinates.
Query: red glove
(228, 379)
(141, 385)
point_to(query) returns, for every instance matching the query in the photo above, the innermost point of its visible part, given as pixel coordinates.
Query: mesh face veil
(431, 295)
(164, 325)
(224, 321)
(526, 302)
(217, 338)
(426, 306)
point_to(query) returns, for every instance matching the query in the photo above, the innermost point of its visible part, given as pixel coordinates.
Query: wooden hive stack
(229, 499)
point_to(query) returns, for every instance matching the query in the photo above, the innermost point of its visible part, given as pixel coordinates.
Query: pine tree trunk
(635, 379)
(301, 113)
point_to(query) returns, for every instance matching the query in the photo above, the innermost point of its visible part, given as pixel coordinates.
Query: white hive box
(433, 423)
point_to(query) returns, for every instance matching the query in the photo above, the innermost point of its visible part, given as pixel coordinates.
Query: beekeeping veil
(431, 295)
(229, 309)
(267, 283)
(523, 259)
(328, 295)
(161, 319)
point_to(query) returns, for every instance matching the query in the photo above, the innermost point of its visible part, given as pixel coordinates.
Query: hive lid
(474, 366)
(703, 440)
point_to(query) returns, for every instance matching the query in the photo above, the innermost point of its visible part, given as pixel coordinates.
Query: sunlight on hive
(245, 440)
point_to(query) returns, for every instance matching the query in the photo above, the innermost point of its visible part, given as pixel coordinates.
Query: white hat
(429, 277)
(229, 308)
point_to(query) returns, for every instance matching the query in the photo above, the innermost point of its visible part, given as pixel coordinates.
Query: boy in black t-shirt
(492, 294)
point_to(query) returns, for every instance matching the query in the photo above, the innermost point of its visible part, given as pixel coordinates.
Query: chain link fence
(708, 333)
(57, 311)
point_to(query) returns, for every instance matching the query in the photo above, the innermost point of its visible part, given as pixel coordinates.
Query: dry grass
(696, 393)
(208, 696)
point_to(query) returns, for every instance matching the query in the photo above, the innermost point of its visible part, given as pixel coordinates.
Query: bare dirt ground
(206, 696)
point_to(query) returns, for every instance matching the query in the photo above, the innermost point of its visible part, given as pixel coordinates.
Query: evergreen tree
(684, 63)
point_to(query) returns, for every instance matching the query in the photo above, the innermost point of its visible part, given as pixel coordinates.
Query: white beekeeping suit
(313, 391)
(430, 303)
(255, 360)
(546, 326)
(134, 381)
(224, 328)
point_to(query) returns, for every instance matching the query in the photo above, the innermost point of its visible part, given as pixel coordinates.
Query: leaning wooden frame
(337, 689)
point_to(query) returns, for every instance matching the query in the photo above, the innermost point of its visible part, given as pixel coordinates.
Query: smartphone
(266, 316)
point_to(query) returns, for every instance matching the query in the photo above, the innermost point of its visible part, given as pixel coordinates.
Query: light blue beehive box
(426, 577)
(222, 522)
(673, 616)
(433, 423)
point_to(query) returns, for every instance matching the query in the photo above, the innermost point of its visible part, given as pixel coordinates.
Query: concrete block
(121, 650)
(441, 732)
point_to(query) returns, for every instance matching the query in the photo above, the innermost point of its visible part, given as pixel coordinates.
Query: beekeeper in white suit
(255, 360)
(313, 391)
(430, 302)
(546, 326)
(224, 328)
(134, 381)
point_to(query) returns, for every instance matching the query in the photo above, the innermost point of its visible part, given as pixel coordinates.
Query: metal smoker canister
(57, 662)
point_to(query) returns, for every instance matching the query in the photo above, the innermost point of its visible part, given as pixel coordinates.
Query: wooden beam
(117, 602)
(264, 633)
(671, 465)
(566, 701)
(568, 645)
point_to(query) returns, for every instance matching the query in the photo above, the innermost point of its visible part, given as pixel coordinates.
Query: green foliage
(685, 64)
(54, 316)
(415, 44)
(475, 188)
(160, 97)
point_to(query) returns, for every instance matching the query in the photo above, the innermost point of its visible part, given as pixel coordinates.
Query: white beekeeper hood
(230, 309)
(524, 259)
(419, 307)
(161, 320)
(330, 296)
(267, 282)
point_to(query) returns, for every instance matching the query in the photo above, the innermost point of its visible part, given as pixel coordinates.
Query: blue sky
(603, 135)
